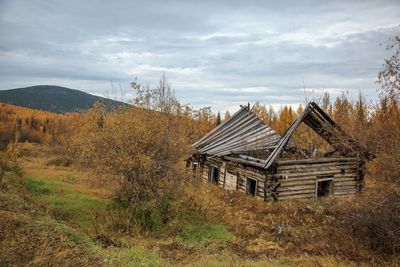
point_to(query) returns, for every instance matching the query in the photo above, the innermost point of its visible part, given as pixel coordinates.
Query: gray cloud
(215, 53)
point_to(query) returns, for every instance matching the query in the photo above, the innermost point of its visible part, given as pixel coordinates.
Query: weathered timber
(312, 161)
(231, 148)
(243, 161)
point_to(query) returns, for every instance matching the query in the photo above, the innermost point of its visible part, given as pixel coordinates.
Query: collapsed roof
(245, 132)
(314, 117)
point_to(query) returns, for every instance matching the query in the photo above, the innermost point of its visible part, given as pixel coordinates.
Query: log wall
(298, 179)
(289, 179)
(231, 181)
(242, 173)
(233, 176)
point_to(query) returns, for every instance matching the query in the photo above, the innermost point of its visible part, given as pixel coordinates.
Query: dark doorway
(324, 187)
(213, 176)
(251, 187)
(194, 170)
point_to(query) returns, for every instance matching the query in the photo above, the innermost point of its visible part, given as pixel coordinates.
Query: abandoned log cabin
(246, 155)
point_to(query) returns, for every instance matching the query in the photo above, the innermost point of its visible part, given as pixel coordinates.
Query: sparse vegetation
(251, 232)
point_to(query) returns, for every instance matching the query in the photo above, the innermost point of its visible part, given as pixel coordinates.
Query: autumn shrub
(377, 224)
(367, 227)
(160, 217)
(142, 147)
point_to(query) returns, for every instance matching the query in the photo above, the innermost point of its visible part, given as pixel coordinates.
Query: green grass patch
(134, 256)
(64, 200)
(199, 234)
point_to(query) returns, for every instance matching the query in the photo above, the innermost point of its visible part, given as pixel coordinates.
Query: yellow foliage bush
(143, 149)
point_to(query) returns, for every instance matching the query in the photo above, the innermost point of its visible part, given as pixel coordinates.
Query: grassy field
(54, 214)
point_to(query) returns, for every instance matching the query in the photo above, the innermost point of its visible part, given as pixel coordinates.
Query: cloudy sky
(214, 53)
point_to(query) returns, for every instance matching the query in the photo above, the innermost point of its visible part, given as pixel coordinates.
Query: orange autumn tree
(285, 119)
(385, 128)
(267, 115)
(36, 126)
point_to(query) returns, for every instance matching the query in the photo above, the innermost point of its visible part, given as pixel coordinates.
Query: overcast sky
(214, 53)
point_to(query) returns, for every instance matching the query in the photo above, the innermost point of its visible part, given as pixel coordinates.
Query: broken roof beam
(251, 159)
(286, 136)
(332, 133)
(245, 162)
(326, 128)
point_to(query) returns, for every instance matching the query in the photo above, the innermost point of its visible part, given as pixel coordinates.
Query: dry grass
(29, 237)
(35, 160)
(332, 228)
(26, 241)
(47, 221)
(59, 208)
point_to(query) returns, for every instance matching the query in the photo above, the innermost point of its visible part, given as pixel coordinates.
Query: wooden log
(347, 180)
(296, 188)
(312, 180)
(296, 167)
(334, 170)
(346, 187)
(246, 162)
(297, 183)
(290, 183)
(350, 175)
(251, 159)
(307, 161)
(247, 172)
(311, 173)
(285, 139)
(317, 165)
(346, 183)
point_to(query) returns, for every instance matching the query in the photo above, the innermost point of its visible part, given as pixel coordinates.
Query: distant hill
(54, 98)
